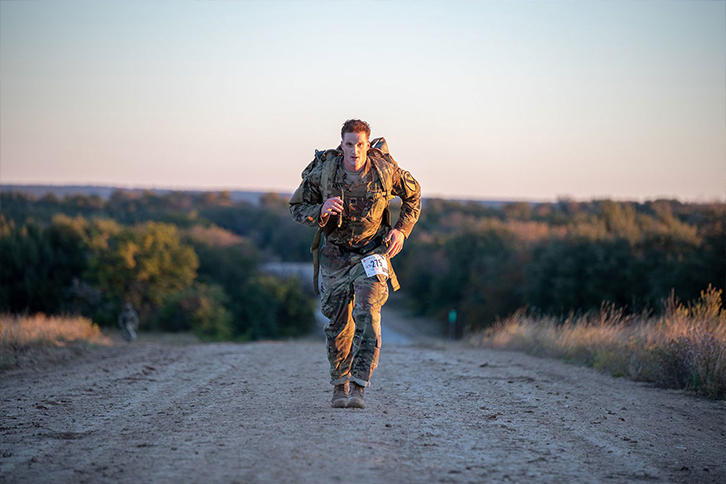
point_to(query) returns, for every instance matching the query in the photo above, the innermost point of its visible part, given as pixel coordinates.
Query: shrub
(31, 338)
(684, 348)
(200, 309)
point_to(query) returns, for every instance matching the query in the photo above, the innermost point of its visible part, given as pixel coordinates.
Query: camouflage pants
(352, 302)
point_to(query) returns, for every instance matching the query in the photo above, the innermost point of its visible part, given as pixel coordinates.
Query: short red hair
(356, 126)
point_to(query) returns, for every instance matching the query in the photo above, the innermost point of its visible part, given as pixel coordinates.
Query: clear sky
(478, 99)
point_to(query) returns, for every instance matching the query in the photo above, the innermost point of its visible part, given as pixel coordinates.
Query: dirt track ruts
(437, 412)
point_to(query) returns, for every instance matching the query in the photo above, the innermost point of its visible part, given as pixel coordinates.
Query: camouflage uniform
(128, 321)
(351, 300)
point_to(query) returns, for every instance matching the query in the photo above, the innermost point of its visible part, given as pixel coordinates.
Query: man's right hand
(332, 206)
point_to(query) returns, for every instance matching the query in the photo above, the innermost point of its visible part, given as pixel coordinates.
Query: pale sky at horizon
(480, 99)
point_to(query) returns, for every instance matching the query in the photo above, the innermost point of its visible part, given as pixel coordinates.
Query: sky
(503, 100)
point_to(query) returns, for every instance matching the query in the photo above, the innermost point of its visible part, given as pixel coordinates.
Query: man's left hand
(395, 241)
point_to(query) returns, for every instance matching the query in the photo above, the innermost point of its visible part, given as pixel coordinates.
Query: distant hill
(105, 192)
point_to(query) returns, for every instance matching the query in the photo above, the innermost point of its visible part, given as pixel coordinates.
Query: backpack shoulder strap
(326, 160)
(330, 163)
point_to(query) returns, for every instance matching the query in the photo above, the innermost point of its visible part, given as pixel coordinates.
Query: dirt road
(259, 413)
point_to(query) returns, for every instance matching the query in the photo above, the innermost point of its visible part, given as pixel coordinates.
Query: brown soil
(162, 412)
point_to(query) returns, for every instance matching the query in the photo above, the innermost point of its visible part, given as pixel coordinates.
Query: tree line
(180, 270)
(183, 254)
(559, 258)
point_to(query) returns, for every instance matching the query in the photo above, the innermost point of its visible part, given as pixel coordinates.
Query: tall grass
(30, 336)
(683, 348)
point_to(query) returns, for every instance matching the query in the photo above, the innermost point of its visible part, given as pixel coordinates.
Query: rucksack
(326, 180)
(329, 169)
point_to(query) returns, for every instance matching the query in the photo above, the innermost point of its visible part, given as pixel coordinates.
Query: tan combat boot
(340, 396)
(355, 399)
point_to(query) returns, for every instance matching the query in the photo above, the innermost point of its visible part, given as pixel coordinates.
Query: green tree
(269, 308)
(38, 264)
(143, 265)
(200, 309)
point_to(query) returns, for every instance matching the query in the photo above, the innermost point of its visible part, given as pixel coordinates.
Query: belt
(361, 250)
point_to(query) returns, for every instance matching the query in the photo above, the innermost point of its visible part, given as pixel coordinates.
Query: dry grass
(684, 348)
(24, 338)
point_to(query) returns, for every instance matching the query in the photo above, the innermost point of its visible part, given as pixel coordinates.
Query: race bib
(375, 264)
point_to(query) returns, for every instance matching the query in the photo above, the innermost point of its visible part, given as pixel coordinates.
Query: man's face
(355, 147)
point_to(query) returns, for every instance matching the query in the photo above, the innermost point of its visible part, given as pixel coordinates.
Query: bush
(684, 348)
(268, 308)
(200, 309)
(143, 265)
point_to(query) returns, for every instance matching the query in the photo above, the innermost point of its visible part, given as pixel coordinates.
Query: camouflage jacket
(365, 202)
(129, 319)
